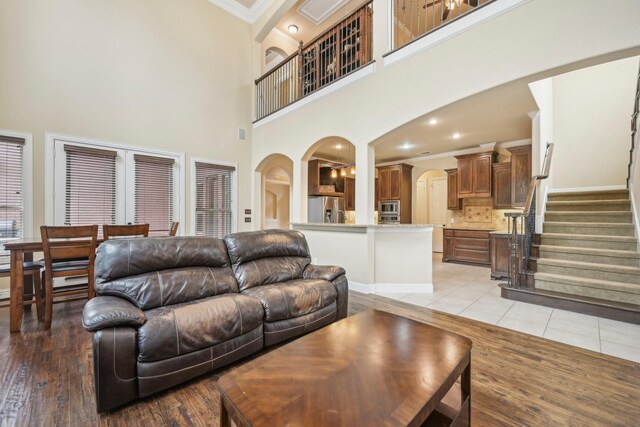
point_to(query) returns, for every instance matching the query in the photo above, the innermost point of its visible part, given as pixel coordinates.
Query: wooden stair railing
(339, 51)
(522, 227)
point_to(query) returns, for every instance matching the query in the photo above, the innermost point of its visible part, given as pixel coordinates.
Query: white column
(381, 28)
(365, 183)
(299, 192)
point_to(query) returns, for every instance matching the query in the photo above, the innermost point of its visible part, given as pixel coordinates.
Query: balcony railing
(339, 51)
(413, 19)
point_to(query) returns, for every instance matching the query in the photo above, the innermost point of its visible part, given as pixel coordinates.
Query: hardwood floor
(517, 379)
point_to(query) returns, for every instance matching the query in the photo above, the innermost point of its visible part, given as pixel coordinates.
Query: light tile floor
(468, 291)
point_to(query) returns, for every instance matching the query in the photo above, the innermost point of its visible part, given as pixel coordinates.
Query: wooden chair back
(174, 228)
(122, 231)
(68, 251)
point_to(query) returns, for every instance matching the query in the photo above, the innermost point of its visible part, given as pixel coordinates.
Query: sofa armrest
(107, 312)
(325, 272)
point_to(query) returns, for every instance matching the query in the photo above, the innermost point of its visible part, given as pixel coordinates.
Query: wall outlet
(452, 220)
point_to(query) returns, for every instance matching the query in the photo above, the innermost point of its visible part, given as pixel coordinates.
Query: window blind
(215, 199)
(90, 190)
(154, 193)
(11, 192)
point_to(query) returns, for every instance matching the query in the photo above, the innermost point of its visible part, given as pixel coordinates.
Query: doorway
(431, 204)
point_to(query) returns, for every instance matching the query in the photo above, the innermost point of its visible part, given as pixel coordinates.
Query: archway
(275, 180)
(431, 203)
(331, 181)
(272, 57)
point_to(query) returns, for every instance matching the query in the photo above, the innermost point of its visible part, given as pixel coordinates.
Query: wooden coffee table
(372, 369)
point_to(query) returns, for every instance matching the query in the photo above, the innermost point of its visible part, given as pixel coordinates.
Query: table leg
(225, 421)
(15, 291)
(465, 390)
(28, 285)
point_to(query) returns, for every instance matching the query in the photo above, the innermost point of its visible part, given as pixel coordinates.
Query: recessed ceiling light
(456, 135)
(406, 146)
(338, 146)
(433, 122)
(293, 29)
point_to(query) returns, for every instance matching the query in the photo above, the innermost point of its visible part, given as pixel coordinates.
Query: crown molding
(249, 15)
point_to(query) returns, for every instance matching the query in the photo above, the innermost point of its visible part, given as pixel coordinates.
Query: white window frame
(192, 204)
(50, 173)
(27, 180)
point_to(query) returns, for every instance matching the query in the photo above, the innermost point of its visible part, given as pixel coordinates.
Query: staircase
(588, 250)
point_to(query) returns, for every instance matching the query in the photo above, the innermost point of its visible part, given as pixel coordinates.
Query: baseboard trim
(581, 189)
(404, 288)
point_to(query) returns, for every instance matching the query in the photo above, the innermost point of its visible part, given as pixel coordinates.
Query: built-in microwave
(389, 207)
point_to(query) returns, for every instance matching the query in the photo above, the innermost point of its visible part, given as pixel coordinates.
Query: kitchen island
(377, 258)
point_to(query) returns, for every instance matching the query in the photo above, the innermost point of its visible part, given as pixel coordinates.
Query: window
(11, 191)
(214, 199)
(103, 183)
(154, 193)
(90, 190)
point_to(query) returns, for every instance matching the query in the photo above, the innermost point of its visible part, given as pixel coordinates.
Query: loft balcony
(347, 47)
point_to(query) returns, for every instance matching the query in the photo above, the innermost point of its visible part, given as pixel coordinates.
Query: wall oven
(388, 219)
(389, 207)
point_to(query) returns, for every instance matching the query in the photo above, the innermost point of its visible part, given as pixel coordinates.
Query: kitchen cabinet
(320, 182)
(349, 194)
(394, 183)
(466, 246)
(499, 256)
(475, 174)
(453, 201)
(520, 174)
(502, 185)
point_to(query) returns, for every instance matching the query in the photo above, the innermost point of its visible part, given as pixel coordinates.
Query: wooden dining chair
(123, 231)
(31, 294)
(174, 228)
(68, 251)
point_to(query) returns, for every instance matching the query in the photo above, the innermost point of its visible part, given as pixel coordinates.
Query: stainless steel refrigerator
(326, 210)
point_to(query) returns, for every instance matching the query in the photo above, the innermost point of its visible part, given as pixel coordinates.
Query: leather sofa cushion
(266, 271)
(120, 258)
(183, 328)
(293, 298)
(249, 246)
(166, 287)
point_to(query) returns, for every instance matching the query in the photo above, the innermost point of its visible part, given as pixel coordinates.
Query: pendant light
(352, 169)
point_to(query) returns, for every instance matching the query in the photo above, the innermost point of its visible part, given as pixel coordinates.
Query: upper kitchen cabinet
(520, 174)
(321, 183)
(349, 194)
(475, 174)
(453, 201)
(502, 185)
(394, 183)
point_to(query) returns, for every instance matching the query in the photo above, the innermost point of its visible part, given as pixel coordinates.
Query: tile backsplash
(479, 213)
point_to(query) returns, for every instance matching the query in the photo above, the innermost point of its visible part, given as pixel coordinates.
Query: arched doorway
(331, 177)
(431, 203)
(275, 177)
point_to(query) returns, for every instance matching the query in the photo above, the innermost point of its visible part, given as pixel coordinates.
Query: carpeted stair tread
(592, 283)
(590, 266)
(582, 205)
(591, 251)
(605, 217)
(595, 228)
(589, 195)
(595, 237)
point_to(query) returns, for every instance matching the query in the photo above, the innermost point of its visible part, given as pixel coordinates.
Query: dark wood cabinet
(475, 175)
(466, 246)
(349, 194)
(520, 174)
(502, 185)
(320, 182)
(394, 183)
(499, 256)
(453, 201)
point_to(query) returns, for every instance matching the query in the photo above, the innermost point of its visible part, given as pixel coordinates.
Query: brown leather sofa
(170, 309)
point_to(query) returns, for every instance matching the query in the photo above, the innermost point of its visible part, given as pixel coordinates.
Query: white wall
(523, 42)
(173, 75)
(591, 110)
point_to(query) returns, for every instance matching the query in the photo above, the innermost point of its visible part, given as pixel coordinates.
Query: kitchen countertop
(471, 229)
(360, 228)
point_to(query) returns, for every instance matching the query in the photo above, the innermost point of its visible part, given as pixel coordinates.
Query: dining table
(21, 251)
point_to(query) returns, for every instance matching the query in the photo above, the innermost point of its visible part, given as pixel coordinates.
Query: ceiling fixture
(293, 29)
(456, 135)
(334, 171)
(406, 146)
(352, 169)
(433, 121)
